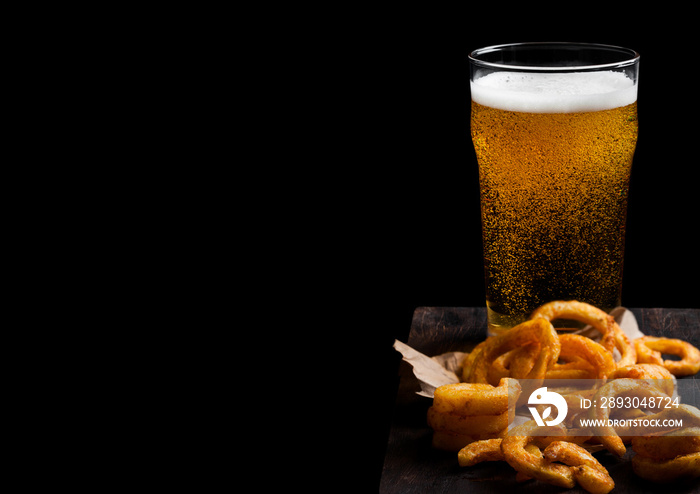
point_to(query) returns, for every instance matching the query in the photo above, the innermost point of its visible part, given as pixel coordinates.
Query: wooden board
(412, 465)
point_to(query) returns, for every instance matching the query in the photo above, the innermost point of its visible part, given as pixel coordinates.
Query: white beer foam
(554, 93)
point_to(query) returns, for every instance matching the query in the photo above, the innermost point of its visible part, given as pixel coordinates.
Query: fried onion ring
(579, 350)
(688, 414)
(663, 378)
(668, 446)
(587, 471)
(516, 364)
(578, 311)
(592, 479)
(538, 331)
(682, 467)
(533, 449)
(607, 435)
(476, 398)
(471, 358)
(476, 452)
(523, 453)
(571, 370)
(612, 335)
(571, 454)
(650, 348)
(522, 459)
(624, 346)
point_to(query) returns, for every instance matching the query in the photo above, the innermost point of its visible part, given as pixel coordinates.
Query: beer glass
(554, 127)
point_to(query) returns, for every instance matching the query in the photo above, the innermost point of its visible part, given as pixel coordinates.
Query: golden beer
(554, 170)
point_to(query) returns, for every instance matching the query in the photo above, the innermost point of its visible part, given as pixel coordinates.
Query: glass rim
(631, 58)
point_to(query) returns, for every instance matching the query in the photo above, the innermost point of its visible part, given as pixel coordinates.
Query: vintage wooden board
(411, 464)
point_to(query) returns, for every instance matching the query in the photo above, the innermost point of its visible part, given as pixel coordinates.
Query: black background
(422, 228)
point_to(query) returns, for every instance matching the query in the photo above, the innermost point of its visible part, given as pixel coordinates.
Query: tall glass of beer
(554, 127)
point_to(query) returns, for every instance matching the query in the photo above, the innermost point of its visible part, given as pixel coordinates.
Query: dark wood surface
(411, 464)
